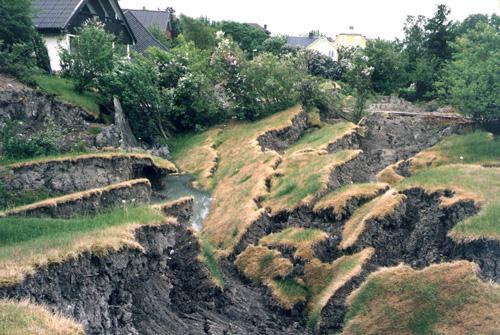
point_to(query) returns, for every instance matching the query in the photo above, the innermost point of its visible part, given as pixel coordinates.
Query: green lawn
(65, 90)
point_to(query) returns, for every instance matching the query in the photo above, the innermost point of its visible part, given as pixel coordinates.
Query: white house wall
(54, 43)
(324, 47)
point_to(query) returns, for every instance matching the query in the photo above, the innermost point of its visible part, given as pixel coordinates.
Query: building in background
(327, 46)
(57, 21)
(320, 44)
(142, 21)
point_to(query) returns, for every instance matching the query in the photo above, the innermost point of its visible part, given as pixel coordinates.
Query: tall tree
(439, 34)
(387, 62)
(471, 82)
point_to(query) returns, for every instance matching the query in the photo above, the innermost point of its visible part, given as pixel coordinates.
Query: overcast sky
(373, 18)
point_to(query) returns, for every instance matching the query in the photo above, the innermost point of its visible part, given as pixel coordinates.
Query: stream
(178, 186)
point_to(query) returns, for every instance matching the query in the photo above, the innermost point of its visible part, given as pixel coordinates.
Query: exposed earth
(292, 225)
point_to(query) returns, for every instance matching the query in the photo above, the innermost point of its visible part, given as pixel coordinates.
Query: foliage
(471, 82)
(199, 31)
(268, 85)
(358, 76)
(16, 24)
(93, 57)
(21, 48)
(249, 37)
(274, 45)
(18, 146)
(320, 65)
(159, 35)
(136, 84)
(388, 66)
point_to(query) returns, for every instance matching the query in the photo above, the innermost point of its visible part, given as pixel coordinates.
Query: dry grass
(373, 210)
(262, 264)
(169, 204)
(240, 179)
(54, 202)
(32, 249)
(25, 318)
(325, 279)
(389, 175)
(301, 239)
(196, 153)
(445, 298)
(338, 199)
(468, 182)
(302, 177)
(156, 161)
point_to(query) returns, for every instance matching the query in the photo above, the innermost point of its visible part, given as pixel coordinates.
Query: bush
(471, 82)
(92, 58)
(16, 146)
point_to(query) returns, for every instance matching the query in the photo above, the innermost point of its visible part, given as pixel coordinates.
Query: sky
(372, 18)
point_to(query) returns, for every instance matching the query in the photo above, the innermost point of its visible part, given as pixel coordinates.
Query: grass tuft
(24, 318)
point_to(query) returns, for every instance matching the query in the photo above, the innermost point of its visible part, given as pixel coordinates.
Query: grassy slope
(23, 318)
(29, 242)
(444, 298)
(474, 182)
(65, 90)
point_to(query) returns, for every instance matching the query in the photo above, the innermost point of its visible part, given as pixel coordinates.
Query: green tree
(387, 62)
(16, 24)
(93, 57)
(199, 31)
(359, 78)
(471, 82)
(274, 45)
(439, 35)
(21, 48)
(160, 36)
(248, 37)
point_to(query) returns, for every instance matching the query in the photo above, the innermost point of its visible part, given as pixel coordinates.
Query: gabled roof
(54, 14)
(144, 38)
(298, 41)
(149, 18)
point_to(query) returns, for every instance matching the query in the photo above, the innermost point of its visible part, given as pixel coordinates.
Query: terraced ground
(307, 219)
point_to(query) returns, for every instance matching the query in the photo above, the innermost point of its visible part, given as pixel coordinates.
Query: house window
(73, 45)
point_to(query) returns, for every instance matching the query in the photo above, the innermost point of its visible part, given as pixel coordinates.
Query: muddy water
(179, 186)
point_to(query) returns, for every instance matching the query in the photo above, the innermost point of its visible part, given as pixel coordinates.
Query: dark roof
(149, 18)
(144, 39)
(298, 41)
(53, 13)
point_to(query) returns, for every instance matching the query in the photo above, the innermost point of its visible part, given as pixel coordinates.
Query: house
(57, 21)
(350, 40)
(318, 43)
(141, 22)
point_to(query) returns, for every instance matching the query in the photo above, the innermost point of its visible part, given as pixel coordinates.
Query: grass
(302, 239)
(239, 178)
(319, 139)
(478, 147)
(303, 176)
(325, 279)
(26, 243)
(469, 182)
(373, 210)
(262, 265)
(288, 292)
(65, 91)
(445, 298)
(208, 258)
(338, 199)
(195, 153)
(23, 318)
